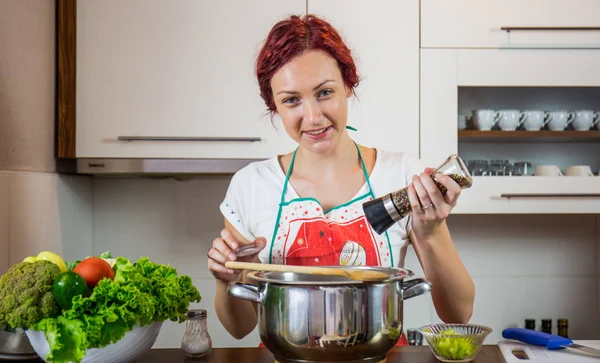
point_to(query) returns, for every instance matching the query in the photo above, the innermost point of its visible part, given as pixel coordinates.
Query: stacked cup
(533, 120)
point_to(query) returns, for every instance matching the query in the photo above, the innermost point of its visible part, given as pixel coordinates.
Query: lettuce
(141, 293)
(66, 339)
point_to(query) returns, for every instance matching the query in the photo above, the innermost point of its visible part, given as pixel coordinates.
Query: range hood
(145, 166)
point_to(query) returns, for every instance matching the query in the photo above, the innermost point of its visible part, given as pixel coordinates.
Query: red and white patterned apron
(306, 235)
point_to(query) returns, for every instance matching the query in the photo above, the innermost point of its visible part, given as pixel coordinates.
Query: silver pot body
(14, 345)
(318, 318)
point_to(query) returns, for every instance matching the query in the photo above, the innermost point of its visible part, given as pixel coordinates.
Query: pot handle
(415, 287)
(244, 291)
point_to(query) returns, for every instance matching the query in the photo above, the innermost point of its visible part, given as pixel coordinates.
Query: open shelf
(519, 135)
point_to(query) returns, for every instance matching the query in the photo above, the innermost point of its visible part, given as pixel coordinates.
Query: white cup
(462, 122)
(510, 120)
(585, 119)
(534, 120)
(559, 120)
(485, 120)
(579, 170)
(547, 170)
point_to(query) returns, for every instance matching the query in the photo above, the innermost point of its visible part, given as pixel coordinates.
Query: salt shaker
(196, 341)
(383, 212)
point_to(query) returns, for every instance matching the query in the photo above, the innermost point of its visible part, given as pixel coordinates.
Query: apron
(306, 235)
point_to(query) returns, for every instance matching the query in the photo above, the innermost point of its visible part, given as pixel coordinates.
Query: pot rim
(395, 273)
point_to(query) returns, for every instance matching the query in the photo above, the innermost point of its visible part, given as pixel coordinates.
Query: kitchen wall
(39, 209)
(523, 266)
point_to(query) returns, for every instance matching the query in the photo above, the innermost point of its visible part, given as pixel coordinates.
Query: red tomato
(93, 270)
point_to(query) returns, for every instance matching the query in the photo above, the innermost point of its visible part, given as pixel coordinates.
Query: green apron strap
(281, 201)
(287, 177)
(364, 168)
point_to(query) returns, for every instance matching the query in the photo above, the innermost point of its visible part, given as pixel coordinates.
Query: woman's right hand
(223, 250)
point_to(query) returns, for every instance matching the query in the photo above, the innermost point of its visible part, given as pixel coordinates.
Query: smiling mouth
(318, 132)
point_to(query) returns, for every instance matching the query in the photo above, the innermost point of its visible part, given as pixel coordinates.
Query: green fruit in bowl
(455, 347)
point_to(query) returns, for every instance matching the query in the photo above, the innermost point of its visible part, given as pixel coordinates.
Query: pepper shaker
(383, 212)
(196, 341)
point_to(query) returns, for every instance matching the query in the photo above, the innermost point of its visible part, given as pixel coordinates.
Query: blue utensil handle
(534, 337)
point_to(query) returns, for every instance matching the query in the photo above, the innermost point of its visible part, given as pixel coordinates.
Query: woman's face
(311, 99)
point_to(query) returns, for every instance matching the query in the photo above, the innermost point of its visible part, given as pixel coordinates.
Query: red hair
(290, 38)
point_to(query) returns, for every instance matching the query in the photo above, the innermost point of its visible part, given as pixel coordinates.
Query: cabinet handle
(187, 138)
(550, 28)
(556, 195)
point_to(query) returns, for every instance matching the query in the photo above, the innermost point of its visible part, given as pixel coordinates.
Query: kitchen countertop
(412, 354)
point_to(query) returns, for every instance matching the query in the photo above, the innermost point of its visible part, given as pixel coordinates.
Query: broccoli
(26, 294)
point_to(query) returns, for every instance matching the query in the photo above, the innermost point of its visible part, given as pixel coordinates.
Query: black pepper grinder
(383, 212)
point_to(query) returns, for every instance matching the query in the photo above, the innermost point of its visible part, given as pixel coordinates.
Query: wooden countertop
(412, 354)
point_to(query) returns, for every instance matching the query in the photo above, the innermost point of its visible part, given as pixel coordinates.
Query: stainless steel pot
(14, 345)
(317, 318)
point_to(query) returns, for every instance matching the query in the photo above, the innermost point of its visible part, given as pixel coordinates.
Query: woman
(305, 208)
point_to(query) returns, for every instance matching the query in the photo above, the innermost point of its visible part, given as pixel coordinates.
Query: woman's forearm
(452, 288)
(237, 316)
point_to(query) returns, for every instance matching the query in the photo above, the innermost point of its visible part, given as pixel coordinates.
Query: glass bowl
(455, 342)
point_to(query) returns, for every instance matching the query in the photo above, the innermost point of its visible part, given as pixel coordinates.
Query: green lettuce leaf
(65, 337)
(71, 265)
(172, 293)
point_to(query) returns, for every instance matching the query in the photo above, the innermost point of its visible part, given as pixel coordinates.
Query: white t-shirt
(252, 201)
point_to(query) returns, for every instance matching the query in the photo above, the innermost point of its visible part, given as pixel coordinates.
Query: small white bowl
(131, 347)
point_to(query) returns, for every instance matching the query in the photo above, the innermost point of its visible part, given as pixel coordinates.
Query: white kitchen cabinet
(530, 195)
(163, 79)
(384, 39)
(456, 81)
(510, 23)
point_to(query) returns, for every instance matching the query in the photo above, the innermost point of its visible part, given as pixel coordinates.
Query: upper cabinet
(511, 114)
(513, 87)
(510, 24)
(164, 79)
(384, 38)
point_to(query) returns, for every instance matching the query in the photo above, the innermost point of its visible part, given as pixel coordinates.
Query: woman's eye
(290, 100)
(325, 92)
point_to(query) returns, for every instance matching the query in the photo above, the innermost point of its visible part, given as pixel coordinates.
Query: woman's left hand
(430, 207)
